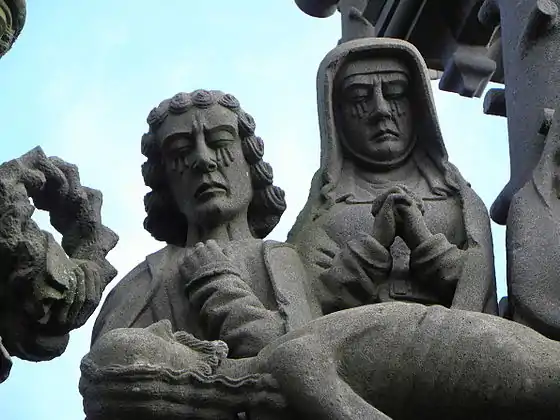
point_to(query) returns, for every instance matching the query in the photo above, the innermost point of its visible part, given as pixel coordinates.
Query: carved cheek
(400, 111)
(360, 110)
(224, 156)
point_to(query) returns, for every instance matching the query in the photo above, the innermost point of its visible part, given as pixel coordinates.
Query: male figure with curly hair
(212, 201)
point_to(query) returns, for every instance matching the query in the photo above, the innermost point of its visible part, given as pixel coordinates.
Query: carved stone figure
(533, 254)
(47, 290)
(212, 201)
(383, 361)
(12, 19)
(388, 217)
(528, 204)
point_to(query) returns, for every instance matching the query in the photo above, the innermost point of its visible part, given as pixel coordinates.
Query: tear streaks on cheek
(179, 164)
(229, 154)
(397, 110)
(224, 157)
(220, 158)
(358, 110)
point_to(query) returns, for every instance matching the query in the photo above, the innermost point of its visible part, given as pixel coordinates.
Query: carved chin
(216, 212)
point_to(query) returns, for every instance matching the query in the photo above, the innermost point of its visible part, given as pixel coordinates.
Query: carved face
(374, 112)
(205, 166)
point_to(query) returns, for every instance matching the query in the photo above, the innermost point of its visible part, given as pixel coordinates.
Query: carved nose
(203, 160)
(381, 108)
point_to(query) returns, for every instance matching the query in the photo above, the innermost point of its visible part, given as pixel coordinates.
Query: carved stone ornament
(12, 19)
(48, 289)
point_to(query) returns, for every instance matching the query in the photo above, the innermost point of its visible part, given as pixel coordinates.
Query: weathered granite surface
(47, 289)
(388, 216)
(377, 309)
(390, 360)
(212, 199)
(12, 19)
(528, 204)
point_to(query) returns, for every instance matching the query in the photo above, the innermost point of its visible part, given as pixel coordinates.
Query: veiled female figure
(388, 217)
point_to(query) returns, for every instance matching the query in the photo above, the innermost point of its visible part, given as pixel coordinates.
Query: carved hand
(82, 299)
(203, 260)
(411, 225)
(382, 209)
(398, 212)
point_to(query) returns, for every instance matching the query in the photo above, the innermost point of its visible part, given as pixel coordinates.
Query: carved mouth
(385, 134)
(209, 189)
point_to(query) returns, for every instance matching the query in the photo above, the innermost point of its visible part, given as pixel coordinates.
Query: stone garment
(247, 312)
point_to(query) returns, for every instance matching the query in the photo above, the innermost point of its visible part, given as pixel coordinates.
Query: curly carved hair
(164, 221)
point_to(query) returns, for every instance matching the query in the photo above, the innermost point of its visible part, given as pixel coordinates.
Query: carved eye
(184, 150)
(220, 139)
(179, 146)
(177, 150)
(357, 94)
(394, 90)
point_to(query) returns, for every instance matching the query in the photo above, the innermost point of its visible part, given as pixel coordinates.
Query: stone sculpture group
(381, 304)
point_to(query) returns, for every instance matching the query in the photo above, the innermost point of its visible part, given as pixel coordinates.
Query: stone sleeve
(358, 269)
(438, 264)
(230, 311)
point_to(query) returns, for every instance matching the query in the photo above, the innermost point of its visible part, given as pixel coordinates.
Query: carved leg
(309, 379)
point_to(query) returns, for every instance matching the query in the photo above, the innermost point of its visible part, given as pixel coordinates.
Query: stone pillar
(12, 19)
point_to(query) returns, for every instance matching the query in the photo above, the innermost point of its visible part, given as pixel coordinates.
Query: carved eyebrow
(222, 127)
(362, 80)
(394, 78)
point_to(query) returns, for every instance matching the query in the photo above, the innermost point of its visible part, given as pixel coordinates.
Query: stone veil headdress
(357, 42)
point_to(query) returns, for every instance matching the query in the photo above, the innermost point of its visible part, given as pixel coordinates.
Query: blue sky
(83, 76)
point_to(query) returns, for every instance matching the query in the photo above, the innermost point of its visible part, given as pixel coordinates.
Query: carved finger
(92, 296)
(79, 297)
(328, 252)
(215, 251)
(401, 199)
(213, 247)
(190, 263)
(228, 252)
(62, 314)
(380, 199)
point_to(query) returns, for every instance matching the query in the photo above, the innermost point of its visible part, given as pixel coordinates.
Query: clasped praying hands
(399, 212)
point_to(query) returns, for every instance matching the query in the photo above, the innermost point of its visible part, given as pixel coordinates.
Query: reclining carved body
(391, 360)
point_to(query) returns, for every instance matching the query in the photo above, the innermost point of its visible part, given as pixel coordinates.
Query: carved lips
(209, 189)
(384, 134)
